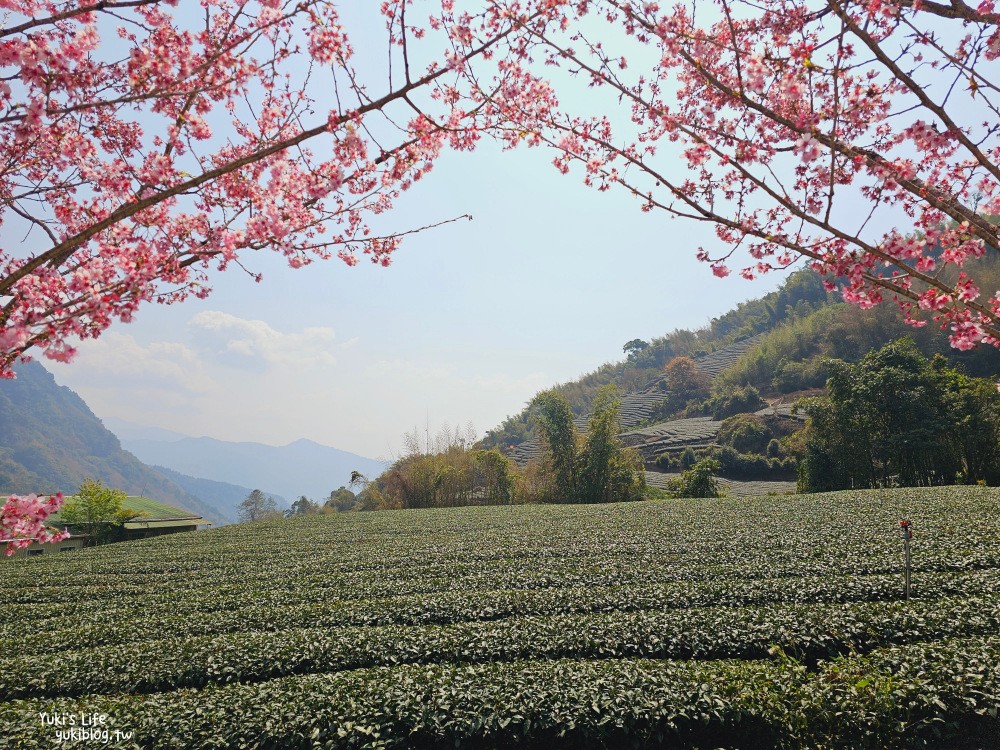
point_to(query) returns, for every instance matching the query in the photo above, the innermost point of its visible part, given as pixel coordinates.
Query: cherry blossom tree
(858, 136)
(145, 144)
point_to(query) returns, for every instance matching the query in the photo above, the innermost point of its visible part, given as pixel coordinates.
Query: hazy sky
(471, 320)
(468, 323)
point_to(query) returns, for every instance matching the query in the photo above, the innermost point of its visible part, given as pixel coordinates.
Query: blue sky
(546, 282)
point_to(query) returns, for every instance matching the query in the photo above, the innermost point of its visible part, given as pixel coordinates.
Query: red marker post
(904, 527)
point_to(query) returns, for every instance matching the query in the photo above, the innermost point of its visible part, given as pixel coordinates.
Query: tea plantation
(737, 623)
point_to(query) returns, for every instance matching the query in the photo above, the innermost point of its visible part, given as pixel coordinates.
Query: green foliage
(688, 458)
(684, 383)
(745, 433)
(801, 293)
(897, 418)
(555, 422)
(634, 346)
(340, 500)
(496, 476)
(748, 447)
(700, 481)
(670, 463)
(97, 511)
(725, 403)
(454, 476)
(793, 356)
(301, 507)
(738, 465)
(731, 463)
(608, 471)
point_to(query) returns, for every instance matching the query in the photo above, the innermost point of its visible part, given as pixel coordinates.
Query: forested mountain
(50, 441)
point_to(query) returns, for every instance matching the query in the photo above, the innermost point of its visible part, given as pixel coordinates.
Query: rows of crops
(751, 622)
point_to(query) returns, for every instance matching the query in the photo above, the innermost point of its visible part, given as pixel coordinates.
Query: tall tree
(302, 507)
(597, 468)
(340, 499)
(897, 417)
(634, 346)
(555, 420)
(258, 507)
(700, 480)
(685, 382)
(97, 510)
(609, 472)
(495, 477)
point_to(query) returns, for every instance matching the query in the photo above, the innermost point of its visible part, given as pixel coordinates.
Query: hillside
(50, 442)
(772, 622)
(775, 345)
(716, 347)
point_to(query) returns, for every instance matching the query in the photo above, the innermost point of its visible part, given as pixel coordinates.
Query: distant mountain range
(300, 468)
(50, 441)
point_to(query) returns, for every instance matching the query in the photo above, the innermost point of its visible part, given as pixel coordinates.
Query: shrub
(700, 481)
(747, 433)
(773, 448)
(725, 404)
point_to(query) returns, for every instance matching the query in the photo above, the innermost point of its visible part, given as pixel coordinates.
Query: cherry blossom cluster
(146, 146)
(22, 521)
(858, 136)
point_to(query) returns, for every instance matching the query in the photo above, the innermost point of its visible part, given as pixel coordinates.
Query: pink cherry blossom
(22, 521)
(145, 147)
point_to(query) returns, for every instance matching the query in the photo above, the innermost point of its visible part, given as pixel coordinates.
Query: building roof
(155, 514)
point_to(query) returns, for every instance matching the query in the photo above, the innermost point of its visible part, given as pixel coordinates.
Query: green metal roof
(152, 510)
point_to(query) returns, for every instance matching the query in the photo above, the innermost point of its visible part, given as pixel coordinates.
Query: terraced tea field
(749, 623)
(724, 358)
(733, 487)
(694, 432)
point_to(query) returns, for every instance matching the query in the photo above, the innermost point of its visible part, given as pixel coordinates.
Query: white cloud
(117, 358)
(257, 340)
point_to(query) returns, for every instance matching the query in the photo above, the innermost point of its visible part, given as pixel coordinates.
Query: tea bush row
(906, 696)
(809, 632)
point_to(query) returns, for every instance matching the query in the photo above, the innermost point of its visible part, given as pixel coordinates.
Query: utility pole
(904, 527)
